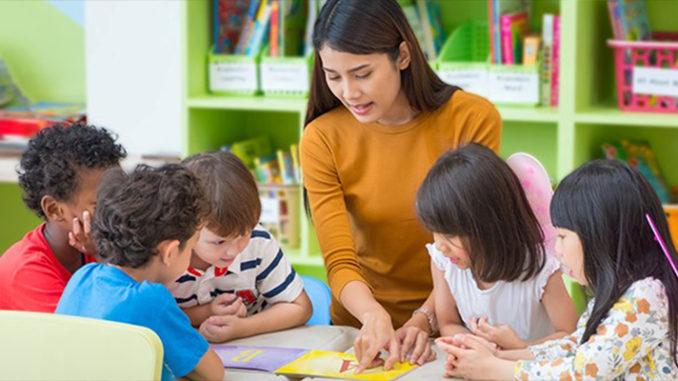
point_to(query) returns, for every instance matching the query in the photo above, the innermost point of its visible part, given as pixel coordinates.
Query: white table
(331, 338)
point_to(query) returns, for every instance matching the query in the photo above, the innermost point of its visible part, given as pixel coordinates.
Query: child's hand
(501, 334)
(220, 328)
(80, 238)
(228, 304)
(467, 357)
(458, 340)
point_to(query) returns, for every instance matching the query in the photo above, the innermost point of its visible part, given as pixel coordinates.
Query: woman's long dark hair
(472, 193)
(605, 203)
(367, 27)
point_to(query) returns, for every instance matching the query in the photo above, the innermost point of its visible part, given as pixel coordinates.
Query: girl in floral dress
(628, 331)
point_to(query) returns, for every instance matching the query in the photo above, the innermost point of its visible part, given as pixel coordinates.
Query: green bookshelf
(561, 137)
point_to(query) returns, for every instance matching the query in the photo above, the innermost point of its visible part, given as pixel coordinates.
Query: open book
(303, 362)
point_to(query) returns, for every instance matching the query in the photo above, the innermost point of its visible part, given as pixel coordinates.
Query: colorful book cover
(531, 48)
(248, 150)
(490, 18)
(247, 27)
(639, 155)
(286, 167)
(615, 19)
(274, 30)
(294, 153)
(339, 365)
(555, 61)
(260, 29)
(634, 21)
(502, 7)
(228, 21)
(265, 359)
(514, 27)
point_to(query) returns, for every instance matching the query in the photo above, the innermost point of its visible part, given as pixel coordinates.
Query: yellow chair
(39, 346)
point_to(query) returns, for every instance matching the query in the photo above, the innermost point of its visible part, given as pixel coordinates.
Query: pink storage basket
(661, 53)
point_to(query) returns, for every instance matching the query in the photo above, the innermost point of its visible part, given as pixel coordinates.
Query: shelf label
(270, 210)
(513, 87)
(471, 80)
(233, 76)
(655, 81)
(284, 77)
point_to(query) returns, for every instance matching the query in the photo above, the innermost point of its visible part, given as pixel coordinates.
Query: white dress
(517, 304)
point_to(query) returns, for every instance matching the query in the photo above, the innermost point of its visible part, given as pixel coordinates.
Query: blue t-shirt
(105, 292)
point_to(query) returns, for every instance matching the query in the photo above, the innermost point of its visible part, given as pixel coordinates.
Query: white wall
(134, 84)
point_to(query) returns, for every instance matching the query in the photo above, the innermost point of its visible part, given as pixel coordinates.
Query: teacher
(378, 117)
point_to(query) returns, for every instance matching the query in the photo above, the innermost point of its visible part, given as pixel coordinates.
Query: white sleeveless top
(517, 304)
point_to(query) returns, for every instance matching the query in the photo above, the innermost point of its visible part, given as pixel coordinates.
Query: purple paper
(265, 359)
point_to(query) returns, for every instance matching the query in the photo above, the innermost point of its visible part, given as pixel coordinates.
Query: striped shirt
(260, 275)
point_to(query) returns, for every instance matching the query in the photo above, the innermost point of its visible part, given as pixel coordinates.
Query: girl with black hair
(628, 331)
(492, 275)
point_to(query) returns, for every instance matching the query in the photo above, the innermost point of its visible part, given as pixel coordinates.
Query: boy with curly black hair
(59, 174)
(146, 225)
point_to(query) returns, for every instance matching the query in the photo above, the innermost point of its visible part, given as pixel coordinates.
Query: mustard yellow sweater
(362, 181)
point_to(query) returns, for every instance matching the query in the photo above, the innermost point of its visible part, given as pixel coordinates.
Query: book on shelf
(247, 28)
(250, 149)
(546, 58)
(640, 155)
(228, 23)
(514, 28)
(496, 9)
(629, 19)
(555, 62)
(22, 122)
(531, 49)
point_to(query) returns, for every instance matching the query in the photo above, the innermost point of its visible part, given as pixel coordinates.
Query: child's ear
(168, 250)
(53, 209)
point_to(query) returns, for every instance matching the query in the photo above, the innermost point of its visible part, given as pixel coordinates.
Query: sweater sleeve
(328, 211)
(485, 128)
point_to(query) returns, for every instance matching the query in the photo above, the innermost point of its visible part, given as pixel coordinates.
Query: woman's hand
(414, 336)
(502, 335)
(376, 334)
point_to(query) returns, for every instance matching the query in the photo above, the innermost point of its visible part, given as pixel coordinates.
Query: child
(628, 331)
(59, 174)
(146, 225)
(491, 274)
(239, 283)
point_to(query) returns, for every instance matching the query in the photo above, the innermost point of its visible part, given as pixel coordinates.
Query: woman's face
(368, 84)
(570, 253)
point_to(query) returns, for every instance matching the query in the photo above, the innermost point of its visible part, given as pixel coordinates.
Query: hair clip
(659, 239)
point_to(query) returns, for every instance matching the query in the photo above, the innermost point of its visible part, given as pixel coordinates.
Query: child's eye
(219, 242)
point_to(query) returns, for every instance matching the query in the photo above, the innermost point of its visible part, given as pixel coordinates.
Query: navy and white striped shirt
(260, 275)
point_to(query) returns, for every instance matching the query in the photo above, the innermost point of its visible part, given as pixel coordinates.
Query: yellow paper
(339, 365)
